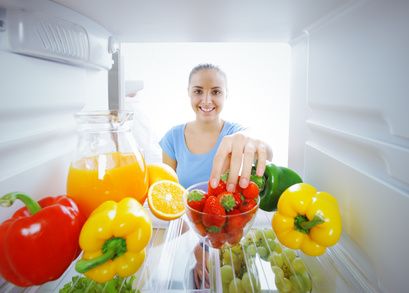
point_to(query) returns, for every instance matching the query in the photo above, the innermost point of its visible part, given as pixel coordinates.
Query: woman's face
(207, 91)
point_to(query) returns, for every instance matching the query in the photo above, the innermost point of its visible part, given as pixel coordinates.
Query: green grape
(278, 248)
(278, 272)
(279, 278)
(249, 262)
(263, 252)
(237, 261)
(296, 285)
(299, 283)
(231, 258)
(298, 265)
(271, 244)
(225, 288)
(269, 234)
(287, 270)
(307, 281)
(226, 273)
(250, 283)
(290, 254)
(276, 259)
(236, 286)
(283, 285)
(264, 242)
(248, 239)
(251, 250)
(226, 258)
(237, 249)
(258, 237)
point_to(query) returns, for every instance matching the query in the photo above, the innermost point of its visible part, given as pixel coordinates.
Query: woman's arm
(239, 151)
(168, 160)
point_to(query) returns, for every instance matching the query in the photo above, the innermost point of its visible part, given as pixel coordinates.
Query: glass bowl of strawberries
(219, 216)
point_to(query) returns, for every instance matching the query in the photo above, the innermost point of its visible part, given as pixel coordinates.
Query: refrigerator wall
(349, 128)
(47, 73)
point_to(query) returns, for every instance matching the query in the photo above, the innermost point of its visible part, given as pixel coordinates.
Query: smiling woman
(258, 85)
(190, 147)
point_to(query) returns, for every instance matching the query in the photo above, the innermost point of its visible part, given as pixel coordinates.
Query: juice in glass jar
(110, 176)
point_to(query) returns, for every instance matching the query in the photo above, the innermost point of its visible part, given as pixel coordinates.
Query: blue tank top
(192, 168)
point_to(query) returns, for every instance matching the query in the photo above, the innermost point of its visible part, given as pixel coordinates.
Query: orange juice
(111, 176)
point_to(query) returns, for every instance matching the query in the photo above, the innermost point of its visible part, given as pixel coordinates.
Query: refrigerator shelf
(174, 249)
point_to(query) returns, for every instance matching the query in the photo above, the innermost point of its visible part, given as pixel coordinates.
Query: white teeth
(206, 109)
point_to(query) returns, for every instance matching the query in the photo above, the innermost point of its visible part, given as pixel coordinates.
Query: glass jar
(108, 164)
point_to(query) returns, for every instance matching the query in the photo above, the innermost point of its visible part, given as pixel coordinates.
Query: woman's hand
(239, 151)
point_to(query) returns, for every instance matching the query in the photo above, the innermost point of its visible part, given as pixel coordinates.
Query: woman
(208, 146)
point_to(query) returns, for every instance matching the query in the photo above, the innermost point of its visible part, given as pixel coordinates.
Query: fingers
(248, 159)
(235, 163)
(221, 161)
(238, 152)
(261, 159)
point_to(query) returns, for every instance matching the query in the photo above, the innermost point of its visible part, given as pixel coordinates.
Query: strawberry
(195, 216)
(234, 211)
(234, 238)
(238, 198)
(221, 187)
(234, 226)
(217, 239)
(251, 191)
(200, 229)
(214, 213)
(196, 199)
(247, 205)
(227, 201)
(235, 222)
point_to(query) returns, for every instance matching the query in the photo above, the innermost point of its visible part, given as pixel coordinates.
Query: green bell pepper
(273, 183)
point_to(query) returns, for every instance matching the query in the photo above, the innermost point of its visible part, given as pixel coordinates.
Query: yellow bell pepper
(306, 219)
(113, 240)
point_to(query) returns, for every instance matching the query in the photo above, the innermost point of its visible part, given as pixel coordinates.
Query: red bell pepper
(39, 242)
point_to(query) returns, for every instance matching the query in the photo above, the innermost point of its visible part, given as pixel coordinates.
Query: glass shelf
(170, 261)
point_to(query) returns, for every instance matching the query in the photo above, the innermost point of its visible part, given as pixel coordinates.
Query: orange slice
(165, 199)
(161, 171)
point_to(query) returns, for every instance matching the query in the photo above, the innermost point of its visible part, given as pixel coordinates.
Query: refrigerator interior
(349, 130)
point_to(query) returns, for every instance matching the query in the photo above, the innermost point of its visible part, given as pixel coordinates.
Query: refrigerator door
(349, 130)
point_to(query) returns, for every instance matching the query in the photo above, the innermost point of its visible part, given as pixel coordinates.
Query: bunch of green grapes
(237, 271)
(261, 242)
(290, 271)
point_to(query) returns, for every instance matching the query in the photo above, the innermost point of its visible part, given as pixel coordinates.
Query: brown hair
(206, 66)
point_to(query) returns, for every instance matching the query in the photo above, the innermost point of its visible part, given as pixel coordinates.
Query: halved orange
(165, 199)
(161, 171)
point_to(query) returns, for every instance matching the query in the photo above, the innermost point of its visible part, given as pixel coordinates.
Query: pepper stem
(8, 199)
(304, 225)
(111, 249)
